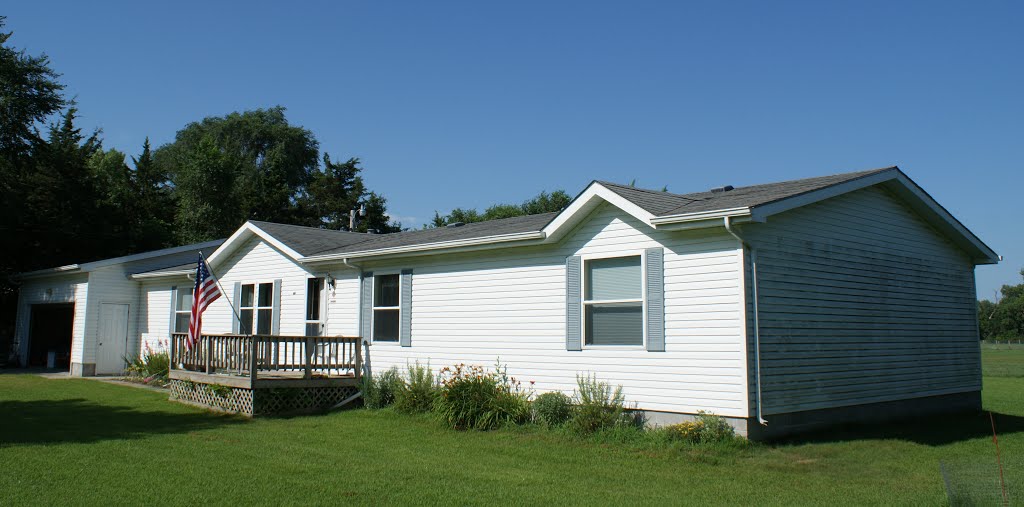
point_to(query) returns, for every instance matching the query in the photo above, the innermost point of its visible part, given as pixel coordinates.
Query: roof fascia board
(659, 222)
(88, 266)
(41, 273)
(703, 223)
(162, 274)
(922, 202)
(447, 246)
(242, 235)
(585, 203)
(762, 212)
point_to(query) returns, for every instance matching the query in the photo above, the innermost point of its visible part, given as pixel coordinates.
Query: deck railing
(251, 355)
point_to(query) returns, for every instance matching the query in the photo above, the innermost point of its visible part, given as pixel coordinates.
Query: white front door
(112, 342)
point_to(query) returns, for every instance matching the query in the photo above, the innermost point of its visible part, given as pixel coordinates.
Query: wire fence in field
(977, 482)
(1002, 345)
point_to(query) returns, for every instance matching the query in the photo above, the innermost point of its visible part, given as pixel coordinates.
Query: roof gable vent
(722, 189)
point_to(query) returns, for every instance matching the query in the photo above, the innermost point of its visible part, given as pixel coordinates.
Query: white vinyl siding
(510, 305)
(860, 302)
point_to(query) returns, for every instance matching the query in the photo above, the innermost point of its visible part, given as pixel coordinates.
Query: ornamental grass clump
(599, 406)
(379, 391)
(474, 398)
(418, 392)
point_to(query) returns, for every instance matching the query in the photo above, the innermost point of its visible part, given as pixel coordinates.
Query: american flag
(205, 292)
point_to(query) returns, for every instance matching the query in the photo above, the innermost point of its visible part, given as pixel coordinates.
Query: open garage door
(50, 335)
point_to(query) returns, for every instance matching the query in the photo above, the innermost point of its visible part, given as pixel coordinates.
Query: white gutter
(757, 334)
(701, 215)
(399, 250)
(161, 274)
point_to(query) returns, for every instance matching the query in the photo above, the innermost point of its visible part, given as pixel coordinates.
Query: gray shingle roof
(664, 203)
(312, 241)
(529, 223)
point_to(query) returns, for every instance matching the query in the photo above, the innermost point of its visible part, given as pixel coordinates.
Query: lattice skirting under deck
(253, 402)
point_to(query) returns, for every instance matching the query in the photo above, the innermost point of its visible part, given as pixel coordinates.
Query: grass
(91, 443)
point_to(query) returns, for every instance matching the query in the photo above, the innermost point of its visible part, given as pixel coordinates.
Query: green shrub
(552, 409)
(379, 391)
(599, 406)
(473, 398)
(150, 367)
(418, 392)
(705, 429)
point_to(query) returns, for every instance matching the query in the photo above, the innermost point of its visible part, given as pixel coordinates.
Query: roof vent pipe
(722, 189)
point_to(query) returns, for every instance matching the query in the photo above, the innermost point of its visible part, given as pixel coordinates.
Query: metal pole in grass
(999, 460)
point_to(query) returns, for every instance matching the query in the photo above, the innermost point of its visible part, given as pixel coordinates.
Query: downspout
(757, 326)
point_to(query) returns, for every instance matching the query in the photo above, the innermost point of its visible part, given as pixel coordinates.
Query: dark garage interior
(50, 336)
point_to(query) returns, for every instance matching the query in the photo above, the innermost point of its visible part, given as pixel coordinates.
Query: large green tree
(543, 202)
(258, 165)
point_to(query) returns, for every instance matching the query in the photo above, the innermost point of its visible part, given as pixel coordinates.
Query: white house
(840, 297)
(87, 317)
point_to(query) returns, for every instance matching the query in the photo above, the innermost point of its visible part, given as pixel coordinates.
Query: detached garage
(85, 317)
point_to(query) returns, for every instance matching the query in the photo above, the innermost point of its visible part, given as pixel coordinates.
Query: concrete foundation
(781, 425)
(83, 369)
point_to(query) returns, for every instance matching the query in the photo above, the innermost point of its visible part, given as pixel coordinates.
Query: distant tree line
(543, 203)
(1003, 319)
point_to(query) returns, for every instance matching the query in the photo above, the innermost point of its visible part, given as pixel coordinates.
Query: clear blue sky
(466, 104)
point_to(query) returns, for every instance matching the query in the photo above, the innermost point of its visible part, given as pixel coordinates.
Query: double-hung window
(256, 308)
(613, 301)
(314, 292)
(182, 309)
(386, 308)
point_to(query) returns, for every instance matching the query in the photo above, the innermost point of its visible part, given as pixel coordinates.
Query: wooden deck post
(209, 351)
(173, 358)
(358, 346)
(253, 360)
(309, 358)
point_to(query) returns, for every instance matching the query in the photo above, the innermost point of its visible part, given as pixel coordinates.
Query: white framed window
(387, 309)
(182, 309)
(256, 308)
(613, 301)
(314, 306)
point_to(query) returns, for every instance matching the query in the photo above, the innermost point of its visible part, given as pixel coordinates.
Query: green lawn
(87, 442)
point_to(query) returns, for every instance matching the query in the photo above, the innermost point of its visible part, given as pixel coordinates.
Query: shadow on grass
(934, 431)
(82, 421)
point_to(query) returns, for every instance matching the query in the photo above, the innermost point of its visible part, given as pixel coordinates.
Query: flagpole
(216, 279)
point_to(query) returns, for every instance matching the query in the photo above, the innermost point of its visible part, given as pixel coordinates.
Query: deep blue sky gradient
(471, 103)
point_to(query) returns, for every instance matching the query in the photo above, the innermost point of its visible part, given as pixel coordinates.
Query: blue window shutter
(236, 302)
(275, 327)
(366, 305)
(573, 303)
(174, 306)
(655, 288)
(405, 329)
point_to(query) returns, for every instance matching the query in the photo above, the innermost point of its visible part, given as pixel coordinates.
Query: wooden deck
(252, 374)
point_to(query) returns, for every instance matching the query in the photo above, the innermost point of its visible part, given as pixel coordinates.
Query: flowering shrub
(151, 367)
(706, 428)
(599, 406)
(552, 409)
(379, 391)
(419, 390)
(474, 398)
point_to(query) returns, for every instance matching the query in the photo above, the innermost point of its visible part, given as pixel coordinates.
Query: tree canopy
(1003, 319)
(543, 202)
